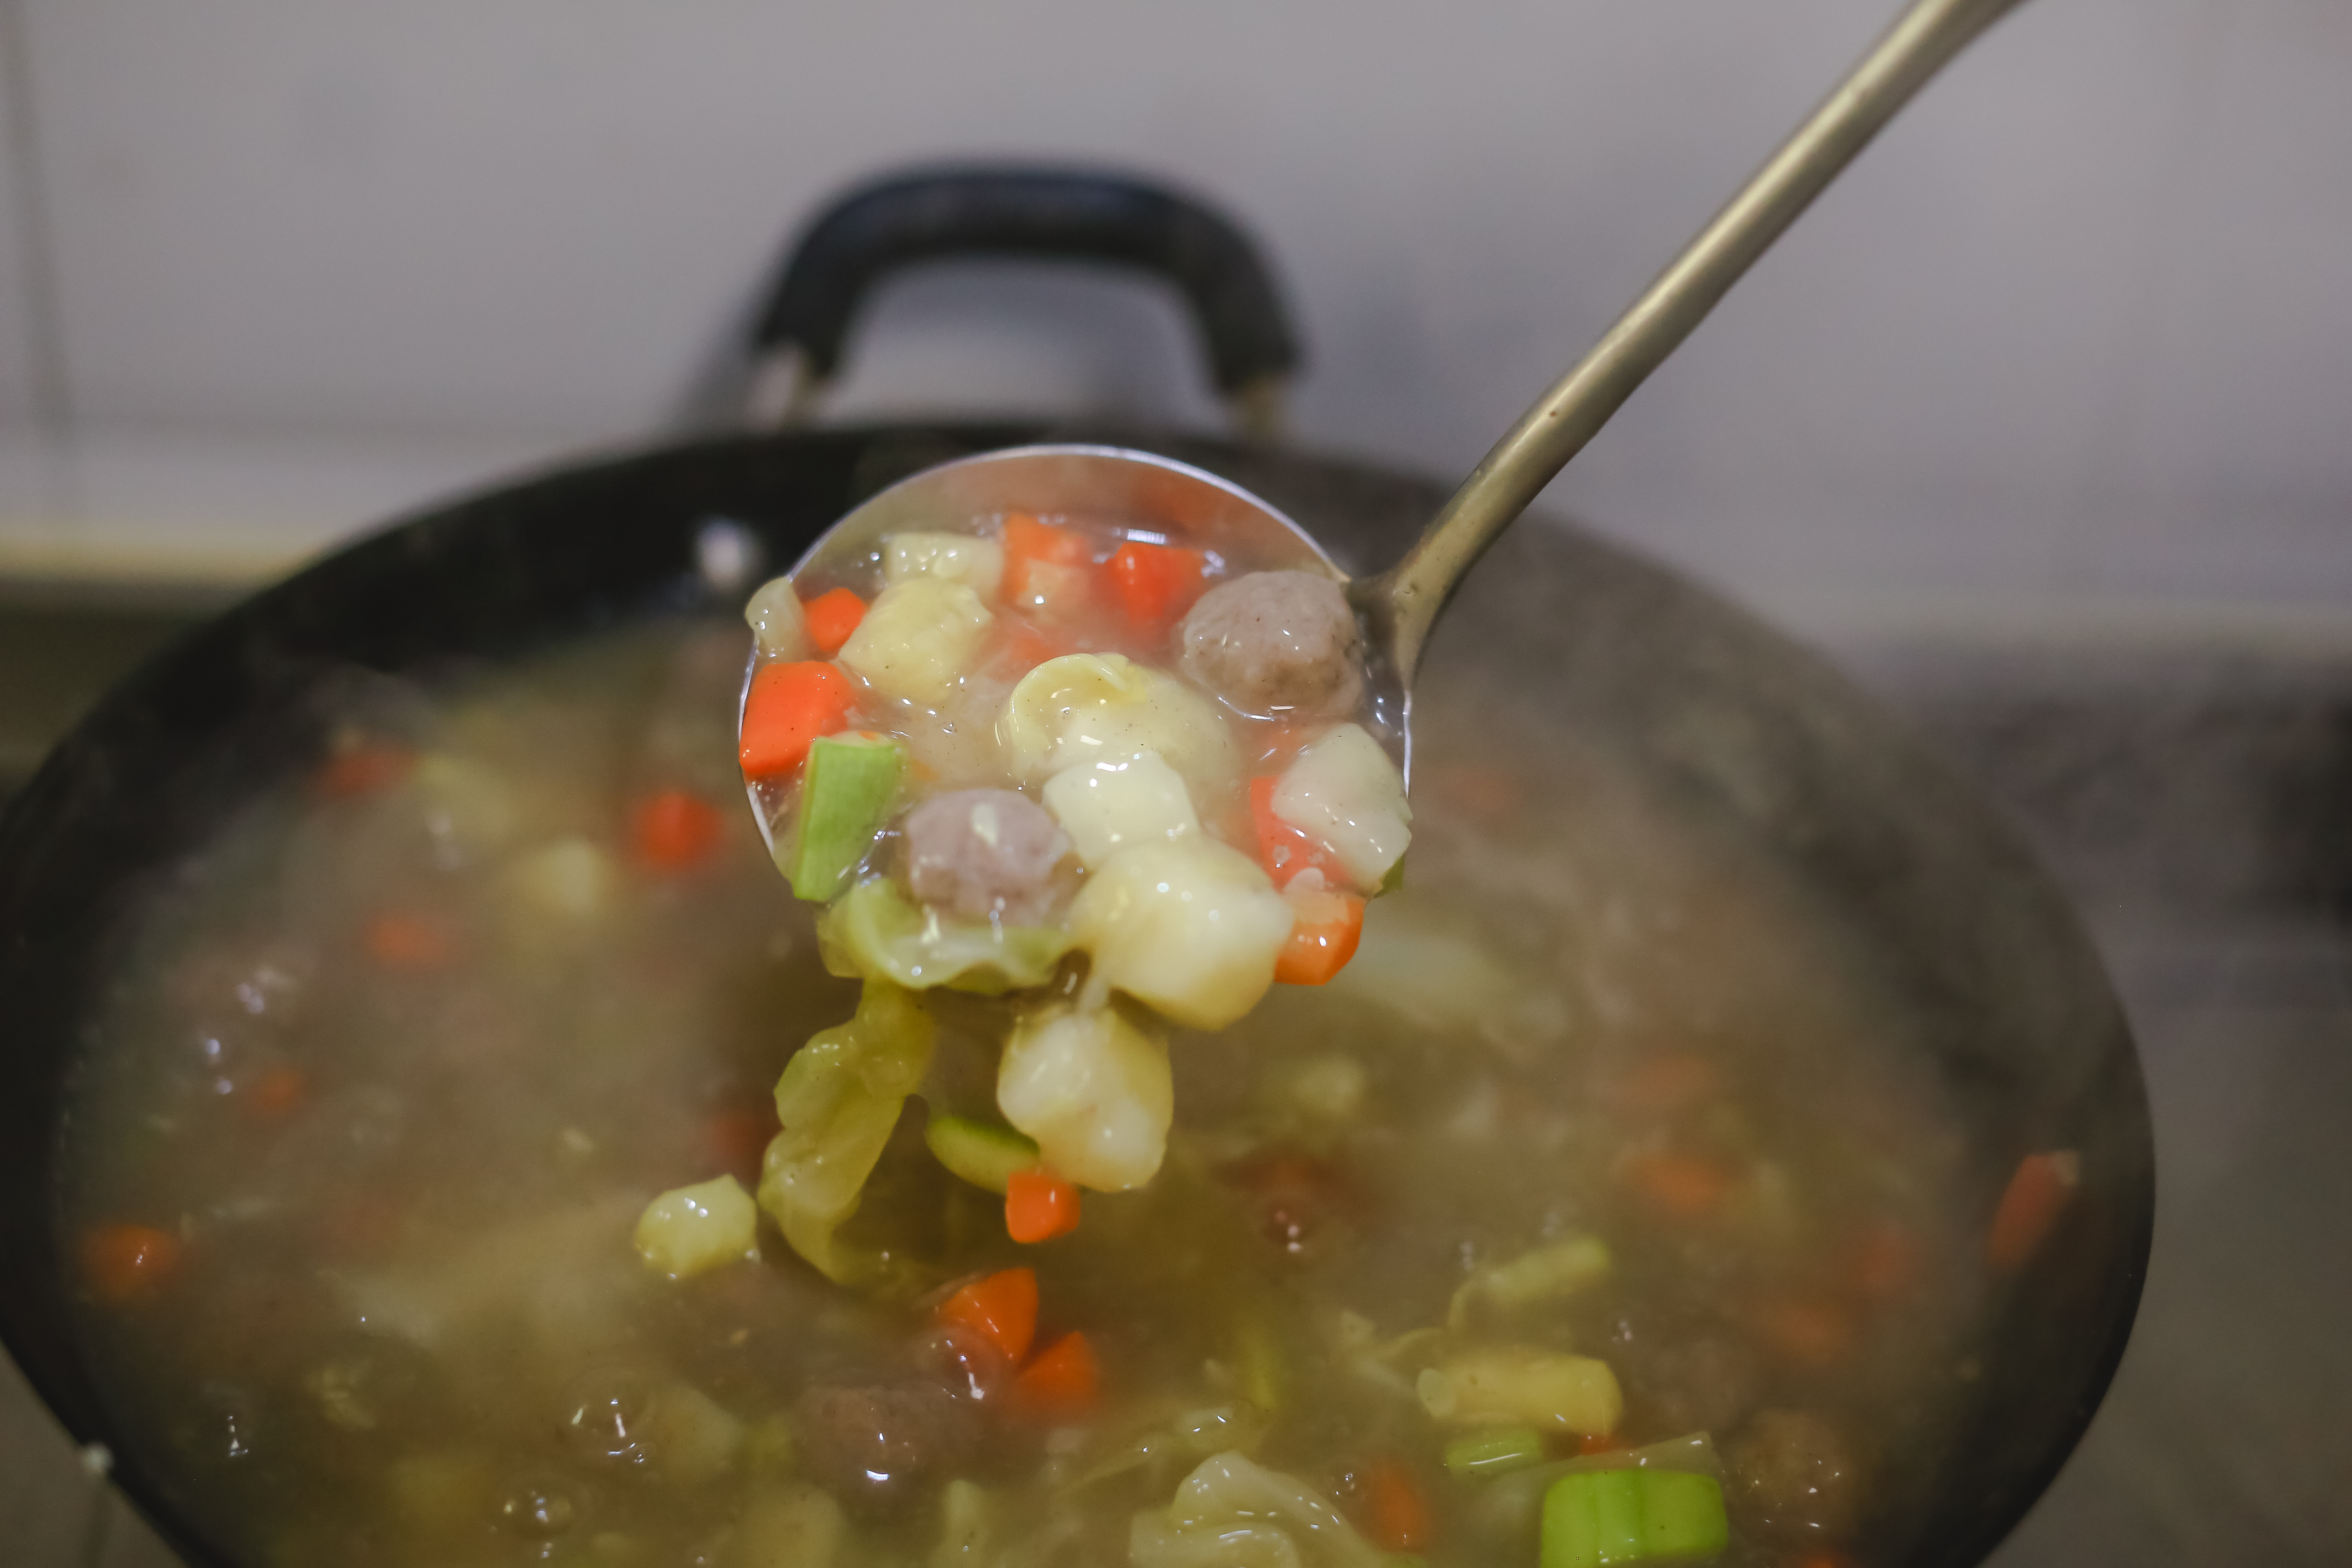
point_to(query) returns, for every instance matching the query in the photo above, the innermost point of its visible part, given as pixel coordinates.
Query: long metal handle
(1403, 601)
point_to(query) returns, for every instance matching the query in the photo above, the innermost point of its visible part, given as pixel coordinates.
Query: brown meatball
(983, 852)
(1277, 642)
(1704, 1382)
(1789, 1477)
(875, 1446)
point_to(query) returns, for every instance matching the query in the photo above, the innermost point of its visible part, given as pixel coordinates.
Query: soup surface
(1604, 1158)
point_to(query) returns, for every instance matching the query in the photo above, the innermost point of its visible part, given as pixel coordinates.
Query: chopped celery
(851, 784)
(1508, 1508)
(874, 928)
(1483, 1455)
(838, 1099)
(984, 1154)
(1597, 1517)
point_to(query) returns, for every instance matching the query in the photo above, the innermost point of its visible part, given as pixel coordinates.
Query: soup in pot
(1598, 1210)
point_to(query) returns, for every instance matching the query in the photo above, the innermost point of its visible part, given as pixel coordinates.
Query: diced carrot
(126, 1262)
(412, 942)
(277, 1094)
(1665, 1083)
(1324, 937)
(2038, 1192)
(1039, 1205)
(1283, 849)
(791, 707)
(1155, 583)
(1062, 1381)
(1808, 1332)
(735, 1143)
(1881, 1263)
(831, 617)
(1679, 1186)
(364, 770)
(1396, 1510)
(675, 830)
(1002, 1308)
(1047, 568)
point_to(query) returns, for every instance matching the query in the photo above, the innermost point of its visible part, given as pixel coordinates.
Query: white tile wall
(2077, 333)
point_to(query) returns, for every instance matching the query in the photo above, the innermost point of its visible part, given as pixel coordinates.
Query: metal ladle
(1401, 606)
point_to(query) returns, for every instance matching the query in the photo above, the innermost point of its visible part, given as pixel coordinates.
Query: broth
(394, 1064)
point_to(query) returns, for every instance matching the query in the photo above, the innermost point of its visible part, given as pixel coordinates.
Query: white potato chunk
(1191, 926)
(569, 881)
(796, 1527)
(777, 624)
(917, 638)
(1108, 805)
(977, 564)
(689, 1229)
(690, 1436)
(1511, 1388)
(1095, 1093)
(1344, 791)
(1101, 707)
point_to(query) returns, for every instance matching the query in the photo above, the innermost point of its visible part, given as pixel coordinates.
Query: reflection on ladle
(1401, 606)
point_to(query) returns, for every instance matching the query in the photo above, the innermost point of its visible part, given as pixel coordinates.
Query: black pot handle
(1049, 214)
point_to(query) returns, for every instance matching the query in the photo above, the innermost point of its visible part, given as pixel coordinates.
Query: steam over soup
(1594, 1213)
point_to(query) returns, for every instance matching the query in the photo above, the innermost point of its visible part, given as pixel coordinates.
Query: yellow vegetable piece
(1094, 1091)
(917, 638)
(1100, 707)
(689, 1229)
(1512, 1386)
(1191, 926)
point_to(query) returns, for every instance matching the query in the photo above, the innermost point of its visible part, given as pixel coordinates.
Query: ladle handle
(1403, 601)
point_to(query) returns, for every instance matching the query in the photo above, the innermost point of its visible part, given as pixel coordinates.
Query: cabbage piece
(1232, 1513)
(838, 1099)
(875, 931)
(1102, 707)
(1094, 1092)
(917, 638)
(1343, 791)
(1554, 1270)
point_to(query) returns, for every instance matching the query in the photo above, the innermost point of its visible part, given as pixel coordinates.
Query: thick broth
(393, 1064)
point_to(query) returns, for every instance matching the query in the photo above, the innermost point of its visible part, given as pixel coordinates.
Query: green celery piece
(846, 793)
(838, 1099)
(1483, 1454)
(875, 930)
(984, 1154)
(1593, 1518)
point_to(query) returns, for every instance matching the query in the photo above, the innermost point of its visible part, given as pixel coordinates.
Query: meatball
(1704, 1382)
(878, 1446)
(1789, 1477)
(1277, 642)
(985, 852)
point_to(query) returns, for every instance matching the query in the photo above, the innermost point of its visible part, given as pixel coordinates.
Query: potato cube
(688, 1229)
(1344, 791)
(1109, 805)
(916, 639)
(977, 564)
(1094, 1091)
(1190, 926)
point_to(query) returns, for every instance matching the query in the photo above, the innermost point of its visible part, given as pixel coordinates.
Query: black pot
(2025, 1028)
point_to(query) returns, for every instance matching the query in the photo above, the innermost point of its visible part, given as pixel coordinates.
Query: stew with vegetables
(1595, 1210)
(1118, 783)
